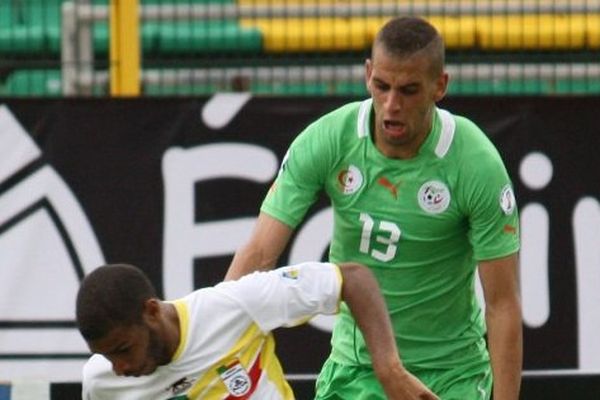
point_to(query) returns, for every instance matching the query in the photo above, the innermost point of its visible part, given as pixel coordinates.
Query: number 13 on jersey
(388, 234)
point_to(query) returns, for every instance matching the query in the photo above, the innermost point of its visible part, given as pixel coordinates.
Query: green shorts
(343, 382)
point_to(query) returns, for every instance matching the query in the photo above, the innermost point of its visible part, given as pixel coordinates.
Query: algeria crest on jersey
(235, 378)
(434, 197)
(350, 180)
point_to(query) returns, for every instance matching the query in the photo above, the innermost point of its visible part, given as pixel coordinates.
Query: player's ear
(441, 86)
(368, 73)
(151, 311)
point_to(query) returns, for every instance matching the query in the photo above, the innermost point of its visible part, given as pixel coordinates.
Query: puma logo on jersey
(510, 229)
(385, 182)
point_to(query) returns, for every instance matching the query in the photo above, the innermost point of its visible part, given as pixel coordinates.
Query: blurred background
(115, 113)
(290, 47)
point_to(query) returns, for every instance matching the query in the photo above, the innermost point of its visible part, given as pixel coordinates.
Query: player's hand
(400, 384)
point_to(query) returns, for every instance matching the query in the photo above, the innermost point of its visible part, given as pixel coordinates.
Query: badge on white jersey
(350, 180)
(290, 272)
(507, 200)
(434, 197)
(235, 378)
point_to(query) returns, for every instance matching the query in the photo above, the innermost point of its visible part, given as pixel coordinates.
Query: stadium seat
(28, 26)
(204, 37)
(313, 34)
(32, 83)
(30, 30)
(33, 27)
(540, 32)
(592, 23)
(503, 32)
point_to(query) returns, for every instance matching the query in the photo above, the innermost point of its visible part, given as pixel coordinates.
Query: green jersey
(420, 224)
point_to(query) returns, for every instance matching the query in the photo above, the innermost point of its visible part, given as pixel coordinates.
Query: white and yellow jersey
(227, 349)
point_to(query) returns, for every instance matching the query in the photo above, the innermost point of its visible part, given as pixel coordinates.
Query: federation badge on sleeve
(290, 272)
(507, 200)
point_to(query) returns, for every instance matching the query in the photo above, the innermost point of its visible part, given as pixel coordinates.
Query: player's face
(133, 350)
(404, 93)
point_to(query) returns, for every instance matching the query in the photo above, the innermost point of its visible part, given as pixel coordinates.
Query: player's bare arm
(361, 293)
(261, 252)
(499, 279)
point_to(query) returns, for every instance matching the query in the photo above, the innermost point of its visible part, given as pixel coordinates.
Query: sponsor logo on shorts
(434, 197)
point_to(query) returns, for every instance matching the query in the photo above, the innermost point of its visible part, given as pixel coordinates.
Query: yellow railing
(124, 48)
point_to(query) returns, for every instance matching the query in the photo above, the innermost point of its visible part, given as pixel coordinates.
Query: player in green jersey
(422, 197)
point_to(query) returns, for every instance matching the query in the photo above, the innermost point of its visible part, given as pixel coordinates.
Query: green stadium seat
(203, 37)
(32, 83)
(26, 26)
(22, 40)
(5, 14)
(45, 83)
(33, 27)
(514, 87)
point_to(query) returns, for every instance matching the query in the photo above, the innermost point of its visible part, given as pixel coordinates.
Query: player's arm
(504, 322)
(361, 293)
(268, 240)
(300, 178)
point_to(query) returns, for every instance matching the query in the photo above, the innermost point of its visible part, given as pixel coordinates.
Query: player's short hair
(405, 36)
(110, 296)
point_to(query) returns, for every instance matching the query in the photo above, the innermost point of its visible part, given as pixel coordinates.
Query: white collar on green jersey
(364, 117)
(448, 125)
(446, 132)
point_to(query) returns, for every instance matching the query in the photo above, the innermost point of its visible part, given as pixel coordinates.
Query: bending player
(216, 343)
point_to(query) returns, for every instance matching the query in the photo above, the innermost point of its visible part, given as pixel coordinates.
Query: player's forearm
(247, 260)
(261, 252)
(505, 341)
(362, 295)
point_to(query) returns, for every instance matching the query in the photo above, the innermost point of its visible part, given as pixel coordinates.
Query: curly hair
(111, 295)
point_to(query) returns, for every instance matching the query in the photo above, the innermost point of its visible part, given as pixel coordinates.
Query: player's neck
(171, 329)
